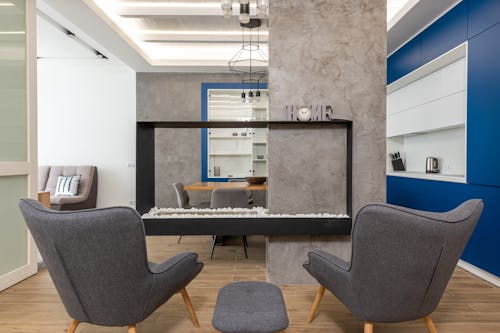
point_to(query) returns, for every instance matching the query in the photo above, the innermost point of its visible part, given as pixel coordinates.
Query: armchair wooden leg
(430, 324)
(190, 307)
(317, 299)
(131, 329)
(368, 327)
(72, 327)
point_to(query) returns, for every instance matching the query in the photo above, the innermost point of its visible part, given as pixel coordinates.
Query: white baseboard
(488, 277)
(17, 275)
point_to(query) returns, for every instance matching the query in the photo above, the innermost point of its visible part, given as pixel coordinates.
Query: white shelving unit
(427, 117)
(236, 152)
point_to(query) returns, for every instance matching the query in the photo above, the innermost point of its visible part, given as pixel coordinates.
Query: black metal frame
(145, 188)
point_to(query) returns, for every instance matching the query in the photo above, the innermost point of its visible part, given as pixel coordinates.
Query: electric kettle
(431, 165)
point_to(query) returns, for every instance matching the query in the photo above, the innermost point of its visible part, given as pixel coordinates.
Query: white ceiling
(53, 42)
(172, 32)
(189, 35)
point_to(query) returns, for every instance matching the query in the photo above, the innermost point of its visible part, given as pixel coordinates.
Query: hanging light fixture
(227, 8)
(262, 7)
(244, 11)
(244, 16)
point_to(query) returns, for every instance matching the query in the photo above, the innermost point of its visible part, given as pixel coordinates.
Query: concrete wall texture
(324, 52)
(175, 97)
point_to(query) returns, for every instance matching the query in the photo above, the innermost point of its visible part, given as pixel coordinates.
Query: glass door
(18, 160)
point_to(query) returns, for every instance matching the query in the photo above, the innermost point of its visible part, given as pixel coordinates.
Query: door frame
(30, 167)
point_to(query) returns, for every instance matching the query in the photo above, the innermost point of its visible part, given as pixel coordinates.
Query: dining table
(210, 186)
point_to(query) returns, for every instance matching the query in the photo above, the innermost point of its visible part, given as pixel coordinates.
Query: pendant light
(244, 11)
(227, 8)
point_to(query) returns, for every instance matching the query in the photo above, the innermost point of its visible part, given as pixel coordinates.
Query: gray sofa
(86, 197)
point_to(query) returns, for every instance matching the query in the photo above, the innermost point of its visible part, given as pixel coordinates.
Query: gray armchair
(402, 260)
(98, 262)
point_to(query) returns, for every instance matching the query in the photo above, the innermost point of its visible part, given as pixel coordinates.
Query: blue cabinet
(483, 114)
(482, 15)
(405, 60)
(444, 34)
(482, 249)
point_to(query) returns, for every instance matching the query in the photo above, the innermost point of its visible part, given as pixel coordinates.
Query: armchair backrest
(229, 197)
(402, 259)
(96, 258)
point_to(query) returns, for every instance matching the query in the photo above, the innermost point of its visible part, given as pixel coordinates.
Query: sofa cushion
(66, 199)
(67, 185)
(43, 175)
(86, 172)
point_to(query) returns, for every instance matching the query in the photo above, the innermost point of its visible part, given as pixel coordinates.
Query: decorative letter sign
(309, 112)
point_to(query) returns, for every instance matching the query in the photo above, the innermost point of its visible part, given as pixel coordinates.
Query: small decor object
(244, 134)
(304, 114)
(309, 112)
(260, 157)
(235, 134)
(67, 185)
(397, 162)
(431, 165)
(256, 180)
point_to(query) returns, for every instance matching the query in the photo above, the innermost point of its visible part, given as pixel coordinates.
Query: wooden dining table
(210, 186)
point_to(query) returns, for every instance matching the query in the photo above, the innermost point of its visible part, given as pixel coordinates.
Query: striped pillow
(67, 185)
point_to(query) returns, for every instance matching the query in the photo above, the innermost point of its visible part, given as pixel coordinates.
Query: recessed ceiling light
(195, 32)
(6, 4)
(394, 6)
(169, 4)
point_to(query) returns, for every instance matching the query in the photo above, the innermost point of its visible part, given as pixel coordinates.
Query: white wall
(87, 115)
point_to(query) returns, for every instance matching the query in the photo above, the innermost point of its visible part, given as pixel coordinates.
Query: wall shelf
(145, 183)
(229, 154)
(230, 137)
(428, 176)
(427, 117)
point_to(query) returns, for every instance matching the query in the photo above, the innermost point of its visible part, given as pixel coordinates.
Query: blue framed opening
(204, 117)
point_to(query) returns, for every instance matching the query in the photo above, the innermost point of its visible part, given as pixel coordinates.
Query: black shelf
(145, 187)
(241, 124)
(284, 226)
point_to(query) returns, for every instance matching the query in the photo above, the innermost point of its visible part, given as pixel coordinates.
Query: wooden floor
(469, 304)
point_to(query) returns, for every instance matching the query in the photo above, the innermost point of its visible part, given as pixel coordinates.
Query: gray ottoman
(250, 307)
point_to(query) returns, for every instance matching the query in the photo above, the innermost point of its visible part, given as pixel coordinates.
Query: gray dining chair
(402, 260)
(229, 198)
(249, 193)
(97, 260)
(183, 200)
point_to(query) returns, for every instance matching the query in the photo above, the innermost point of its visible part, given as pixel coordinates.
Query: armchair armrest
(329, 259)
(170, 277)
(172, 262)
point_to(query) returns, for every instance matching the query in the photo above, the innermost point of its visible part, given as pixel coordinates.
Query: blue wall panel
(482, 250)
(405, 60)
(482, 15)
(483, 133)
(444, 34)
(483, 124)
